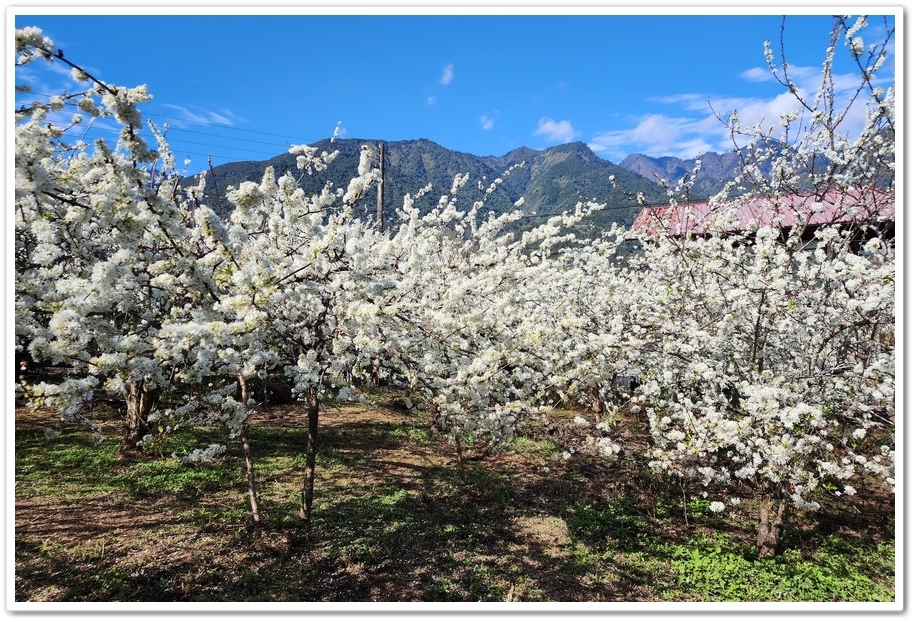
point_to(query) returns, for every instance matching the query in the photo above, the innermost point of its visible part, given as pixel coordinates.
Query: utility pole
(380, 211)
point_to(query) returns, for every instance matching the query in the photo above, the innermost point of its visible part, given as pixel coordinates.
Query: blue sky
(245, 87)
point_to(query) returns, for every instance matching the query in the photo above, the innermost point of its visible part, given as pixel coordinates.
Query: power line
(192, 121)
(171, 130)
(220, 125)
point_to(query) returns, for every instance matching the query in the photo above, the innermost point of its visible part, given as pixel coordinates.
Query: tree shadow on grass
(406, 528)
(442, 540)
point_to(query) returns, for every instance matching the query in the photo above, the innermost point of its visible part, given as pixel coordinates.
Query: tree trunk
(772, 516)
(249, 461)
(597, 403)
(308, 485)
(459, 449)
(139, 401)
(249, 473)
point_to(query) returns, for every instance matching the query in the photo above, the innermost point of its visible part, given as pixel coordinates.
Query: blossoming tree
(293, 267)
(458, 305)
(771, 369)
(104, 253)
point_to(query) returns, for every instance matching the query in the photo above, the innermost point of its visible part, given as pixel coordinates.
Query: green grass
(70, 464)
(716, 569)
(171, 476)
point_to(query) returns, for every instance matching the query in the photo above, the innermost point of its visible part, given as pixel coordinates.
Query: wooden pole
(380, 214)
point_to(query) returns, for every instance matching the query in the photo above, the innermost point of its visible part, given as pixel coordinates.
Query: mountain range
(550, 181)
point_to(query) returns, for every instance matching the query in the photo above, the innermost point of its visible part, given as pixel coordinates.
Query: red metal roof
(783, 211)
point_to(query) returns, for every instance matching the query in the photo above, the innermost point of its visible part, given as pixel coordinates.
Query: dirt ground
(150, 542)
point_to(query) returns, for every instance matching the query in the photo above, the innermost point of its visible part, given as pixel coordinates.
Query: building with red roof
(872, 211)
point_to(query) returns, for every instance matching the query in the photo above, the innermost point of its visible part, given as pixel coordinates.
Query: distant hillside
(714, 168)
(551, 181)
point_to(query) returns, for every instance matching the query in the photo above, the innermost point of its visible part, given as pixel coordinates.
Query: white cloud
(448, 74)
(431, 100)
(486, 123)
(556, 131)
(223, 117)
(757, 74)
(696, 124)
(700, 102)
(660, 129)
(655, 135)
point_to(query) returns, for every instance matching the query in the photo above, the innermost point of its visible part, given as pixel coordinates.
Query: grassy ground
(393, 522)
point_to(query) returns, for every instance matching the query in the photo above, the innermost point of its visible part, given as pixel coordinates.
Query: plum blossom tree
(292, 266)
(771, 368)
(103, 253)
(591, 336)
(141, 290)
(774, 371)
(467, 311)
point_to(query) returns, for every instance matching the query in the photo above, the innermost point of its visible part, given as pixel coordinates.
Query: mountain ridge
(552, 181)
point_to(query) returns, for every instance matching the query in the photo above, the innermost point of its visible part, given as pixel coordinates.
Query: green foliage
(544, 447)
(619, 524)
(414, 434)
(720, 570)
(77, 465)
(698, 507)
